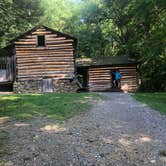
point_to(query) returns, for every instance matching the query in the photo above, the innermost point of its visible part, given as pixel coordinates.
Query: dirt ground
(118, 131)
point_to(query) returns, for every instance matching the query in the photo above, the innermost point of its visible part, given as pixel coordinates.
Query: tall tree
(57, 13)
(103, 28)
(139, 30)
(87, 27)
(17, 17)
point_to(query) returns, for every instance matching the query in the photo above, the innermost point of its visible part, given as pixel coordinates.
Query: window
(40, 41)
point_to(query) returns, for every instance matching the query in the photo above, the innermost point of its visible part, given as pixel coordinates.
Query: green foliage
(57, 106)
(139, 30)
(154, 100)
(17, 17)
(103, 28)
(150, 17)
(57, 13)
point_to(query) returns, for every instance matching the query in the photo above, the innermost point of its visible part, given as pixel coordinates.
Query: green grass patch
(58, 106)
(162, 153)
(2, 163)
(154, 100)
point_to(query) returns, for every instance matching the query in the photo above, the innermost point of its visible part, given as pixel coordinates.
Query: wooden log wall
(55, 59)
(100, 78)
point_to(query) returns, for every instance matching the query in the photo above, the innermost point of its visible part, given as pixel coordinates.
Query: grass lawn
(154, 100)
(58, 106)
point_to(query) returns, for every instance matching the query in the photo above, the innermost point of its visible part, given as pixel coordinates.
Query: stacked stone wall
(63, 85)
(35, 86)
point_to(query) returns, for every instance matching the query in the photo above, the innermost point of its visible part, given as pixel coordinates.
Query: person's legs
(119, 84)
(114, 83)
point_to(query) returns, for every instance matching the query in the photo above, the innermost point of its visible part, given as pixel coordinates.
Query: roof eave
(40, 26)
(106, 65)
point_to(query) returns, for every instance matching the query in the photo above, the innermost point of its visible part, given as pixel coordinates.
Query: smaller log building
(40, 60)
(97, 73)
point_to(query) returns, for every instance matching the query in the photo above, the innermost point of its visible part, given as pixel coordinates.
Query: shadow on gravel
(113, 133)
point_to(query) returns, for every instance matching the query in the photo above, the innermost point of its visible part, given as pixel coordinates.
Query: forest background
(136, 28)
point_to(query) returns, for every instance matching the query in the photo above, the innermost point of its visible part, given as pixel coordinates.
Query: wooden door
(47, 85)
(3, 74)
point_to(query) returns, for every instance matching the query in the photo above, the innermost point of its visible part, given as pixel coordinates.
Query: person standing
(118, 77)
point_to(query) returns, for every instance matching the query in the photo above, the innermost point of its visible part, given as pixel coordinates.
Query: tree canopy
(17, 17)
(103, 27)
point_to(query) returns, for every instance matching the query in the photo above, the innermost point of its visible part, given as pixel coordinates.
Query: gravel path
(118, 131)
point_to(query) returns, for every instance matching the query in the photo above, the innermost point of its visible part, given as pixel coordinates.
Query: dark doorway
(6, 87)
(114, 83)
(82, 74)
(112, 78)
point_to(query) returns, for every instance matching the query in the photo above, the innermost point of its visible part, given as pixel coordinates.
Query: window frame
(43, 41)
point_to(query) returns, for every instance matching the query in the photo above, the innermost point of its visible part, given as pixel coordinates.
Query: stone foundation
(35, 86)
(30, 86)
(64, 86)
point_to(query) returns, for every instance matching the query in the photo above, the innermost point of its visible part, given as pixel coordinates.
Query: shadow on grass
(57, 106)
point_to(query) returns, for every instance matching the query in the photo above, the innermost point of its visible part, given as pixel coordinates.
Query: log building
(97, 73)
(40, 60)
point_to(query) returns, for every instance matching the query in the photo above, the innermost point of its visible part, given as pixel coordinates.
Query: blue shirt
(117, 76)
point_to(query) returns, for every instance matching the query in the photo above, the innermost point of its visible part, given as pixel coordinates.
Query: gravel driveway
(118, 131)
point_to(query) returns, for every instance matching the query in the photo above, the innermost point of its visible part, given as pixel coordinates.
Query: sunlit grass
(154, 100)
(2, 163)
(56, 106)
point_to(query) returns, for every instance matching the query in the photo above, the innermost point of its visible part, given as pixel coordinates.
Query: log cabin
(40, 60)
(97, 73)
